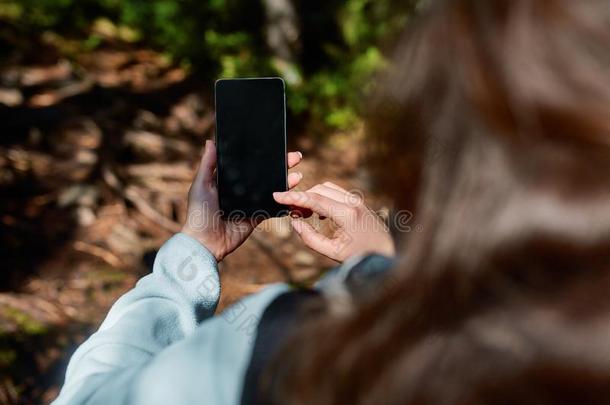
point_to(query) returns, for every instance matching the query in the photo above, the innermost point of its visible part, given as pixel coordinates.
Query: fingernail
(300, 154)
(296, 225)
(300, 175)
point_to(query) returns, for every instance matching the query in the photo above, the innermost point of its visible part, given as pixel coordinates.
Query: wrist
(390, 249)
(218, 252)
(389, 252)
(387, 249)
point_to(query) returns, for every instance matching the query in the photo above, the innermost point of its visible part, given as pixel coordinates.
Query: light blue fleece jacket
(161, 344)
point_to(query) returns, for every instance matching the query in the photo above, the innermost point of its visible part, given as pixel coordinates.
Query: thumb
(313, 239)
(205, 174)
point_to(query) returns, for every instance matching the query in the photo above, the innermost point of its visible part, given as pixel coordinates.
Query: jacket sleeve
(164, 307)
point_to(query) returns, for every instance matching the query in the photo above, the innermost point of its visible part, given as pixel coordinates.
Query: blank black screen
(251, 145)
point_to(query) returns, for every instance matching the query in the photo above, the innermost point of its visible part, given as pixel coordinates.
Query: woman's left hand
(203, 221)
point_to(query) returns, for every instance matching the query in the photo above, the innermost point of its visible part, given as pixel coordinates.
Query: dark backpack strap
(285, 312)
(278, 321)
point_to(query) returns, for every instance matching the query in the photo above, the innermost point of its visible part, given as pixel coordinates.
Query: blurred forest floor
(96, 157)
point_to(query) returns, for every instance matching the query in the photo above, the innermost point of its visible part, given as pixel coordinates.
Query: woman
(495, 120)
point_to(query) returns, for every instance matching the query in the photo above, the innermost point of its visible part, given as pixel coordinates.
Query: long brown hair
(494, 122)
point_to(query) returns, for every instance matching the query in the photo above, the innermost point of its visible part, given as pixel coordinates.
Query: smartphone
(251, 146)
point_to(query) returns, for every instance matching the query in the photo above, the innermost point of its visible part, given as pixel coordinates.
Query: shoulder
(209, 365)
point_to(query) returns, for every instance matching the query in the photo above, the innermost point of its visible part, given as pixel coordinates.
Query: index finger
(319, 204)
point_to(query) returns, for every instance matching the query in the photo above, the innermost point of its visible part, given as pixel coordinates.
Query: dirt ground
(96, 157)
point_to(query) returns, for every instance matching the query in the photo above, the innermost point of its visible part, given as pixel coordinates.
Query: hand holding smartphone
(250, 164)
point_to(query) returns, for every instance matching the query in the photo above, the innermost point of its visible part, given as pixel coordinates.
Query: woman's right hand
(359, 230)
